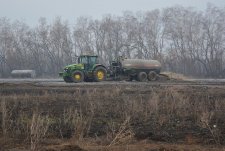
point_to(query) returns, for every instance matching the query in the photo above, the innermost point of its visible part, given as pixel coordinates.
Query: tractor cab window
(83, 60)
(93, 60)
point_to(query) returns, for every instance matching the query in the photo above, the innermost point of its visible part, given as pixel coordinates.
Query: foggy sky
(31, 10)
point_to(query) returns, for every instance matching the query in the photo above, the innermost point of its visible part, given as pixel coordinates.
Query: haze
(31, 10)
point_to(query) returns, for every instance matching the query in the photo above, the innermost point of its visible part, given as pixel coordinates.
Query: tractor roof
(88, 56)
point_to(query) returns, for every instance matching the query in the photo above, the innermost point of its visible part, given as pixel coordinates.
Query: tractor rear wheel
(152, 76)
(142, 76)
(99, 74)
(77, 76)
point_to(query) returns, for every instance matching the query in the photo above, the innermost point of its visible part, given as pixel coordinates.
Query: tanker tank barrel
(141, 64)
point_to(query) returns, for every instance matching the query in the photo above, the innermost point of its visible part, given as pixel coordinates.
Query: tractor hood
(74, 66)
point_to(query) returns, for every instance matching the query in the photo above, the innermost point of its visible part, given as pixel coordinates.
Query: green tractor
(87, 69)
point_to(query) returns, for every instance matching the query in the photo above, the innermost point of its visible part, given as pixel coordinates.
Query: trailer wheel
(152, 76)
(142, 76)
(77, 76)
(67, 79)
(99, 74)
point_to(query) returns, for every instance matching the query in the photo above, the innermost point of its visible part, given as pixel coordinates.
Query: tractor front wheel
(77, 76)
(67, 79)
(99, 74)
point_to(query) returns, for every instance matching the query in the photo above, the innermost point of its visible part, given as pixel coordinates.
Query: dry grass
(38, 129)
(115, 116)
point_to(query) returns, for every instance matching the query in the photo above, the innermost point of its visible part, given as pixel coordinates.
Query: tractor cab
(88, 61)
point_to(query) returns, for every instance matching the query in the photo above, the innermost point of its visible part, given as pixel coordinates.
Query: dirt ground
(151, 116)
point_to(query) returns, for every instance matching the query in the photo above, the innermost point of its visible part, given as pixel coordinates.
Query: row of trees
(183, 39)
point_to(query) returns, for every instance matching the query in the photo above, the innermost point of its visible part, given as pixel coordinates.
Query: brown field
(122, 116)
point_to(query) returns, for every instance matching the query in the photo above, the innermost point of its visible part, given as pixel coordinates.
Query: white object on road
(23, 74)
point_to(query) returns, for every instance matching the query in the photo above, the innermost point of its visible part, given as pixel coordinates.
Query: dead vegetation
(38, 129)
(119, 115)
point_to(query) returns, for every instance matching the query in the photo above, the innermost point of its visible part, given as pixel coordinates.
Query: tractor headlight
(66, 70)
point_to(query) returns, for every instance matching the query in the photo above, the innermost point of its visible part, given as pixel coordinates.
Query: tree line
(184, 40)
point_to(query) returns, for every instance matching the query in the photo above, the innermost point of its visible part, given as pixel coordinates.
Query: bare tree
(183, 39)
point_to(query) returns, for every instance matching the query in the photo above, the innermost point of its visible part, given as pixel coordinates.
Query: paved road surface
(60, 82)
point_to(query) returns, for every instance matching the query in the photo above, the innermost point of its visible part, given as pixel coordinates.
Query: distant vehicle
(23, 74)
(89, 69)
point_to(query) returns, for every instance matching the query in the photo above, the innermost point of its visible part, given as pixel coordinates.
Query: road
(60, 82)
